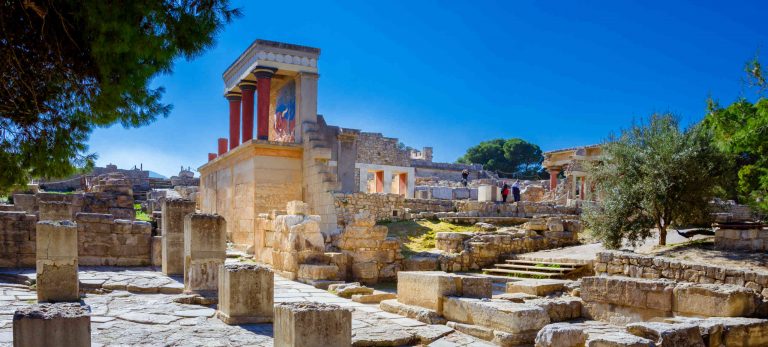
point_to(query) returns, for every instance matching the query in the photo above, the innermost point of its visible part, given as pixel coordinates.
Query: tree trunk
(662, 235)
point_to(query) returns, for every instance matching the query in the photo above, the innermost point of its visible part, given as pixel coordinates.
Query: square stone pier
(246, 294)
(56, 262)
(173, 213)
(310, 324)
(205, 250)
(60, 324)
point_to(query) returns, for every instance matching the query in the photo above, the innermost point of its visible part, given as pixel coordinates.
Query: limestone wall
(374, 148)
(380, 206)
(373, 257)
(319, 179)
(618, 263)
(17, 239)
(251, 179)
(53, 205)
(102, 240)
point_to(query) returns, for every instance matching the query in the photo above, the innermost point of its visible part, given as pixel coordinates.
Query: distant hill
(153, 174)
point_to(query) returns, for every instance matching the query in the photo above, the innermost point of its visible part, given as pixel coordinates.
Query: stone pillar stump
(56, 261)
(310, 324)
(60, 324)
(173, 212)
(205, 249)
(246, 294)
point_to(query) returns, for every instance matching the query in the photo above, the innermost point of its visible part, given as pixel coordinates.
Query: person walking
(516, 191)
(504, 192)
(464, 177)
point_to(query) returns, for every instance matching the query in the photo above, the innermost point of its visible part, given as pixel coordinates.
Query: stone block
(418, 313)
(56, 261)
(561, 335)
(60, 324)
(375, 297)
(425, 288)
(205, 247)
(55, 210)
(297, 208)
(157, 251)
(733, 331)
(665, 334)
(538, 287)
(346, 290)
(499, 315)
(475, 287)
(173, 213)
(309, 324)
(246, 294)
(317, 272)
(712, 300)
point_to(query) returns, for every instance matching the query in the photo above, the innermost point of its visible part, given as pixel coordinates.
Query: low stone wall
(102, 240)
(17, 239)
(743, 237)
(118, 204)
(645, 266)
(466, 252)
(373, 257)
(380, 206)
(393, 207)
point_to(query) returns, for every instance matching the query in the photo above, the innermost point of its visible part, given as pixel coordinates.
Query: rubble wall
(374, 148)
(618, 263)
(17, 239)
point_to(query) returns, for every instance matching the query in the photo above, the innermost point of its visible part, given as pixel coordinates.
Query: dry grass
(419, 236)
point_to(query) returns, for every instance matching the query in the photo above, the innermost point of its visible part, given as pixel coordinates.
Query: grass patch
(551, 266)
(419, 235)
(140, 214)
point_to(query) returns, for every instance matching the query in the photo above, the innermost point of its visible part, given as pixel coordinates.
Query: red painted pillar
(379, 182)
(222, 146)
(263, 84)
(248, 88)
(403, 184)
(234, 119)
(553, 179)
(211, 156)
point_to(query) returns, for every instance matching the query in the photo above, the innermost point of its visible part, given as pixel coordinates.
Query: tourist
(516, 191)
(464, 177)
(504, 192)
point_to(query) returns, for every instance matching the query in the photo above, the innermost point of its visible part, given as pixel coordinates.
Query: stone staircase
(319, 150)
(535, 269)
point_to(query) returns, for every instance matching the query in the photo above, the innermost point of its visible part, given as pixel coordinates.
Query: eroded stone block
(56, 261)
(205, 249)
(665, 334)
(173, 213)
(561, 335)
(309, 324)
(538, 287)
(715, 300)
(246, 294)
(60, 324)
(499, 315)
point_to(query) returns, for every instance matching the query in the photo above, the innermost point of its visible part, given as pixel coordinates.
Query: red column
(553, 179)
(248, 88)
(263, 84)
(234, 119)
(402, 188)
(379, 182)
(211, 156)
(222, 146)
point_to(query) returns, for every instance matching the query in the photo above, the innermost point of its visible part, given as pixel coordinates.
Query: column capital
(236, 96)
(247, 85)
(264, 71)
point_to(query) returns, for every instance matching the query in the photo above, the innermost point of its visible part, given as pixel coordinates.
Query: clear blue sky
(450, 74)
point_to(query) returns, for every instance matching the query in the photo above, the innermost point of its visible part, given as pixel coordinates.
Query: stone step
(531, 267)
(520, 261)
(524, 273)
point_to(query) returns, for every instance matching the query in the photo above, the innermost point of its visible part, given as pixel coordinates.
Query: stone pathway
(140, 311)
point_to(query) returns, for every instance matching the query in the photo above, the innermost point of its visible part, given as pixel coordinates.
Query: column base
(242, 320)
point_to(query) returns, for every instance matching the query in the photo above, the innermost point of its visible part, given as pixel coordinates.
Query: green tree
(68, 66)
(653, 176)
(741, 130)
(512, 156)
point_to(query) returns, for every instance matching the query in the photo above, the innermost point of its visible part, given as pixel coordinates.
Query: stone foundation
(17, 239)
(205, 249)
(645, 266)
(246, 294)
(57, 262)
(742, 237)
(312, 325)
(428, 289)
(62, 324)
(373, 257)
(103, 240)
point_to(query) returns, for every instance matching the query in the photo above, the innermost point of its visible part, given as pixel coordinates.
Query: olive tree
(653, 175)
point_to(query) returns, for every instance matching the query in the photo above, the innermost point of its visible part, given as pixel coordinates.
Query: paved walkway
(140, 311)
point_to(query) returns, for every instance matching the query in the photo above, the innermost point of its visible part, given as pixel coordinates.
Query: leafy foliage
(68, 66)
(513, 156)
(653, 175)
(741, 130)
